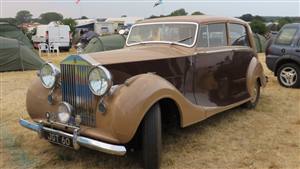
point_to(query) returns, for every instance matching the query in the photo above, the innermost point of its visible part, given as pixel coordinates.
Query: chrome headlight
(49, 75)
(100, 80)
(64, 112)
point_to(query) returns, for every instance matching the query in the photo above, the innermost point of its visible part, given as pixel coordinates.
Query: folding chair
(54, 47)
(43, 47)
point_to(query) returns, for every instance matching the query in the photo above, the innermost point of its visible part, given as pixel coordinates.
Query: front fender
(126, 107)
(129, 104)
(37, 100)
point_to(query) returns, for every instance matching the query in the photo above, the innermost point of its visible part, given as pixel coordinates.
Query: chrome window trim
(164, 42)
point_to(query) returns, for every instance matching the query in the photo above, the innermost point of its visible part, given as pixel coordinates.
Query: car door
(243, 52)
(212, 66)
(296, 47)
(285, 42)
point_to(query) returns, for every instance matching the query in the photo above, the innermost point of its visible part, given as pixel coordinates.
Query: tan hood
(138, 53)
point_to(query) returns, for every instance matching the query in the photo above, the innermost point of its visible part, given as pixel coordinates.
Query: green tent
(103, 43)
(10, 31)
(260, 42)
(14, 55)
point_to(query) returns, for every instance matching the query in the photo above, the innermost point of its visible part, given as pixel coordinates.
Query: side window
(286, 36)
(212, 35)
(203, 40)
(238, 35)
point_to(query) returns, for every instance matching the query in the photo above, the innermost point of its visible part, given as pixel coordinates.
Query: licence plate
(58, 139)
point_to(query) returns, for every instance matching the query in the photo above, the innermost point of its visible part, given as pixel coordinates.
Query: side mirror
(79, 47)
(122, 32)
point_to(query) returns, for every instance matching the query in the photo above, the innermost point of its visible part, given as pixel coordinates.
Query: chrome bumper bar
(77, 140)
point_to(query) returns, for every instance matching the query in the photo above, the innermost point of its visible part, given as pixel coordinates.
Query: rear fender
(255, 72)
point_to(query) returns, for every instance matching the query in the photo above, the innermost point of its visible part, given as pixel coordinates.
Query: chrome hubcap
(254, 94)
(288, 76)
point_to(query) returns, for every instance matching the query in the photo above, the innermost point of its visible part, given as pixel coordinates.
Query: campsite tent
(103, 43)
(260, 42)
(14, 55)
(10, 31)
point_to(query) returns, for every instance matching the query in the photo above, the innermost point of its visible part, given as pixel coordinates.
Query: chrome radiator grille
(75, 91)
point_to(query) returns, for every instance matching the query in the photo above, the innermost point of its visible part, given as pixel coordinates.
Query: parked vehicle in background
(178, 70)
(104, 28)
(53, 33)
(283, 55)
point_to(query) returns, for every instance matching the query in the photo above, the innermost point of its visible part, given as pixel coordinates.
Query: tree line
(257, 22)
(25, 16)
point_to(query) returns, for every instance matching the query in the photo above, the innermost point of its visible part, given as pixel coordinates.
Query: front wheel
(151, 138)
(288, 75)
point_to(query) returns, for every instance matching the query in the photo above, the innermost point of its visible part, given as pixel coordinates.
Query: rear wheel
(288, 75)
(255, 94)
(151, 138)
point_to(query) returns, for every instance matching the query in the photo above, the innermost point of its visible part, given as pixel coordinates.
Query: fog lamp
(64, 112)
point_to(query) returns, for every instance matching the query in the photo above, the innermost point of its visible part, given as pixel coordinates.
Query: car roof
(292, 25)
(195, 18)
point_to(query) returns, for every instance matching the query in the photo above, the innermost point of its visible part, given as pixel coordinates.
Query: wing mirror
(122, 32)
(79, 47)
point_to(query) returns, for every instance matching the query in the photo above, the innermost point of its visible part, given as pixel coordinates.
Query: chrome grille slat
(75, 90)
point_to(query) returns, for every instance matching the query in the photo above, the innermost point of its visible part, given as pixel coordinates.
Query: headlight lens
(100, 80)
(64, 112)
(49, 74)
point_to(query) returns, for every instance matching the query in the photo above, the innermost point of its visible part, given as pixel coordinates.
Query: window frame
(165, 42)
(292, 40)
(247, 34)
(207, 26)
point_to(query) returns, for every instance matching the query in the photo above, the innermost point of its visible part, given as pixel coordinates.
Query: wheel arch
(255, 73)
(287, 59)
(148, 90)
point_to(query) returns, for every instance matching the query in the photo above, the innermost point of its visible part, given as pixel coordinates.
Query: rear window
(286, 36)
(238, 35)
(212, 35)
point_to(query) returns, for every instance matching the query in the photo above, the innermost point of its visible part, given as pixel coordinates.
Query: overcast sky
(144, 8)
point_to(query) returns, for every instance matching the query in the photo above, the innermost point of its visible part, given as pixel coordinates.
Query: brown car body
(198, 82)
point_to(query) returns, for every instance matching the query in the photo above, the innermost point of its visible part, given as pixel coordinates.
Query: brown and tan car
(188, 67)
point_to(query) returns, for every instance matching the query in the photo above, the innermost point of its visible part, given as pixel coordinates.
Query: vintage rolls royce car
(188, 67)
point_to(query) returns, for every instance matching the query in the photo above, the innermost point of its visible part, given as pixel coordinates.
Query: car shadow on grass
(172, 137)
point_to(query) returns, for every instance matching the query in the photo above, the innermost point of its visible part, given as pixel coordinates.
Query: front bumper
(77, 140)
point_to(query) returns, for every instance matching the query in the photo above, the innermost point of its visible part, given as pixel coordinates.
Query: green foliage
(197, 13)
(71, 22)
(84, 17)
(179, 12)
(247, 17)
(283, 21)
(12, 21)
(48, 17)
(259, 18)
(258, 26)
(23, 16)
(154, 16)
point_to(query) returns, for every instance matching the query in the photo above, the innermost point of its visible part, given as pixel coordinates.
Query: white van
(53, 33)
(104, 28)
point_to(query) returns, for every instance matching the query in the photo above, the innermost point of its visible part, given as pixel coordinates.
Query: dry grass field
(267, 137)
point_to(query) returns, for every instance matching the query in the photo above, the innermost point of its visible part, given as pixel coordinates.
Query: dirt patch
(267, 137)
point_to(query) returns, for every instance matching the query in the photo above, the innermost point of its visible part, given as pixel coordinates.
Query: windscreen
(179, 33)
